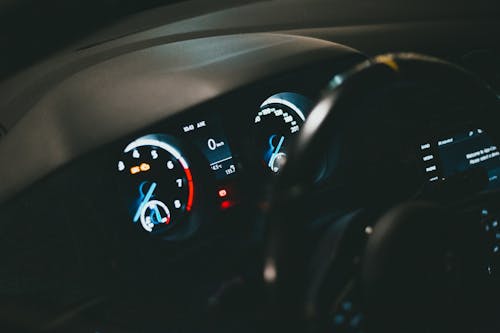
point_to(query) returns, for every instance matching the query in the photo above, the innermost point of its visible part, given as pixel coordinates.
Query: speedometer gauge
(279, 119)
(159, 184)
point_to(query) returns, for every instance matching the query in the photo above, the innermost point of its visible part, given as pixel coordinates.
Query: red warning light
(222, 193)
(226, 204)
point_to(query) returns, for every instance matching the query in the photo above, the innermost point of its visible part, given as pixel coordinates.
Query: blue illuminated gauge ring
(281, 101)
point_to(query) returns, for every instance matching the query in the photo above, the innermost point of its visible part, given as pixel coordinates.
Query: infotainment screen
(449, 156)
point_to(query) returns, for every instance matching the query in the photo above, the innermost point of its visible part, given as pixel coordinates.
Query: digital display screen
(208, 135)
(464, 151)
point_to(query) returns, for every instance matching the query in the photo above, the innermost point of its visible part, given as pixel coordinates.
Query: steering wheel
(413, 265)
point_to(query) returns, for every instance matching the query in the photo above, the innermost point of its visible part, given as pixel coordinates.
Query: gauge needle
(276, 151)
(144, 201)
(158, 215)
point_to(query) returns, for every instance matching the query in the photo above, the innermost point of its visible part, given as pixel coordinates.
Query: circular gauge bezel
(181, 222)
(284, 113)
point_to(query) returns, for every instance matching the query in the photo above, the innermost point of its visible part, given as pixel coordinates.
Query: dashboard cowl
(116, 97)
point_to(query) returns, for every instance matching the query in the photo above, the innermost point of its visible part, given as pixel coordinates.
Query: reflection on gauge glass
(279, 119)
(159, 184)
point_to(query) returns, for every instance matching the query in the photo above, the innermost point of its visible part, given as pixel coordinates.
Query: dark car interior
(250, 166)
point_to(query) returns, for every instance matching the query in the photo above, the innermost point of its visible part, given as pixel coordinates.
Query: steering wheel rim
(284, 256)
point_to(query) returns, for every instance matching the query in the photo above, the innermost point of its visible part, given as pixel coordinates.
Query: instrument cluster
(170, 179)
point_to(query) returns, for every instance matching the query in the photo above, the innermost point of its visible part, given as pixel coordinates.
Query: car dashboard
(132, 165)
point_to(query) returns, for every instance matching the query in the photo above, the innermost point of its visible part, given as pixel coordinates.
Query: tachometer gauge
(279, 119)
(159, 184)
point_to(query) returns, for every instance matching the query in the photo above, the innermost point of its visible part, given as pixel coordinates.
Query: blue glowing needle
(279, 145)
(158, 215)
(144, 201)
(276, 151)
